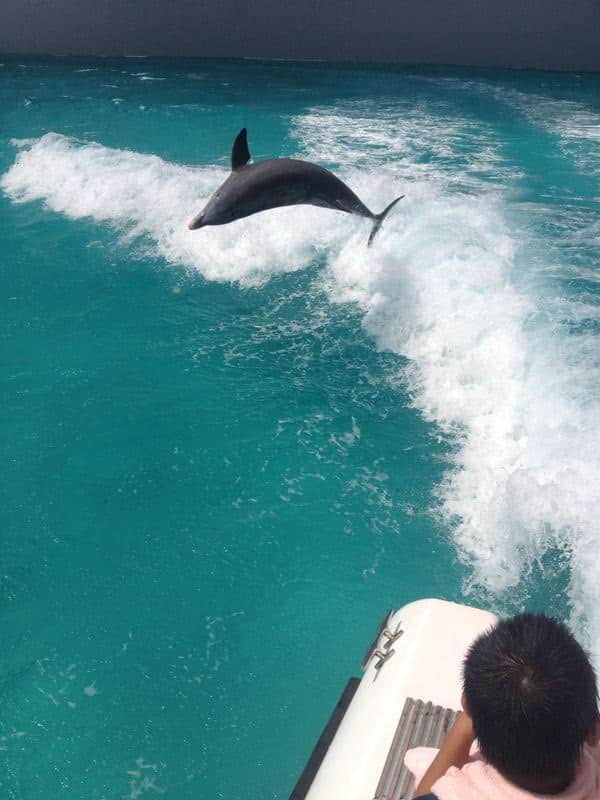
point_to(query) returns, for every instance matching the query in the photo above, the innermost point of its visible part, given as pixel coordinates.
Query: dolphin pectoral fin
(380, 217)
(240, 155)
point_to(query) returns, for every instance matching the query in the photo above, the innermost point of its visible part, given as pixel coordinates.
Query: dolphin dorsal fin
(240, 155)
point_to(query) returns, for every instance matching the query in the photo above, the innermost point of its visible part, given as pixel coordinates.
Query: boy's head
(531, 693)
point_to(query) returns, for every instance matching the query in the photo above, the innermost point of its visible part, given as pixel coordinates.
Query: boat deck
(421, 725)
(406, 698)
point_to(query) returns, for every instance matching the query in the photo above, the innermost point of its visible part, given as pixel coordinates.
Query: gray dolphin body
(279, 182)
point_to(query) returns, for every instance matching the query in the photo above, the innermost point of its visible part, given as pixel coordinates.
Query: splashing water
(438, 290)
(483, 287)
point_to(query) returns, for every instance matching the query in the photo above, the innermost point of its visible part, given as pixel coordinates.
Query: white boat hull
(426, 664)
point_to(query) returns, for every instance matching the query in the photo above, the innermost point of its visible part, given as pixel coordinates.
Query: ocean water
(226, 453)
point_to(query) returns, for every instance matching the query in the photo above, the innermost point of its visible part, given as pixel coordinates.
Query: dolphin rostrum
(279, 182)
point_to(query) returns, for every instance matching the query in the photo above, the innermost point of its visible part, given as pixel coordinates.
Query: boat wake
(513, 389)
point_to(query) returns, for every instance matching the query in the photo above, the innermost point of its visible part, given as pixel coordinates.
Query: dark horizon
(539, 34)
(41, 56)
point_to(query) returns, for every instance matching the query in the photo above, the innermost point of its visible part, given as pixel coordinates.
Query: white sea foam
(143, 196)
(21, 143)
(145, 76)
(576, 125)
(403, 142)
(493, 365)
(514, 392)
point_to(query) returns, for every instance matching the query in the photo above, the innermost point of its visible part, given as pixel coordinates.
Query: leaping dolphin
(279, 182)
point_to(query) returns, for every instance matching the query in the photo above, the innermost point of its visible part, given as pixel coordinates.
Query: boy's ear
(593, 737)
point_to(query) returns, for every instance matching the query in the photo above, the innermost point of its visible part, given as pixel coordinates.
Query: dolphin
(279, 182)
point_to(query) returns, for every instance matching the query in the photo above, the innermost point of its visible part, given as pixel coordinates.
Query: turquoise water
(227, 452)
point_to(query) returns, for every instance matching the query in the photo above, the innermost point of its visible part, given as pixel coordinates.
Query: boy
(530, 700)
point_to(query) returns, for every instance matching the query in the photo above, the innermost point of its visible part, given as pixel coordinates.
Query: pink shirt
(478, 780)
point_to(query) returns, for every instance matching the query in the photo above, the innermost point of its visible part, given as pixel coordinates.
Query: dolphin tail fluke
(380, 217)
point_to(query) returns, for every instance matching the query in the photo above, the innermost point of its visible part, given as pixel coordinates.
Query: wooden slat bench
(421, 724)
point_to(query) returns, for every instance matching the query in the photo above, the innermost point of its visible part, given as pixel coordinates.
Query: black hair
(531, 692)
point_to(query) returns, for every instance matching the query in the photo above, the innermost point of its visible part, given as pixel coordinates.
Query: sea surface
(227, 452)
